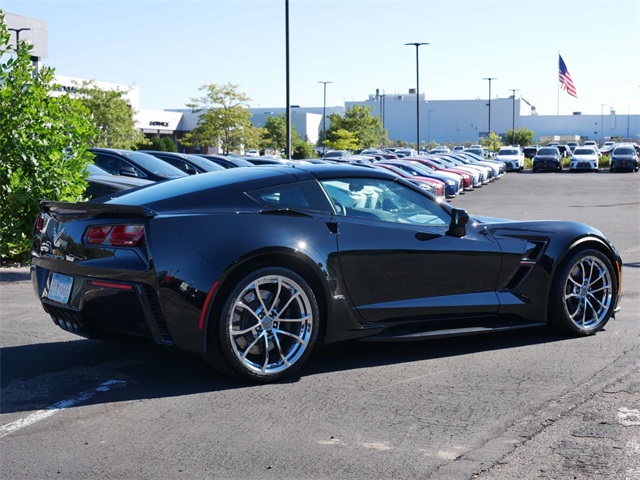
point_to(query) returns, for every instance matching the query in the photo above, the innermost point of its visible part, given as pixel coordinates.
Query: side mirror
(128, 172)
(459, 220)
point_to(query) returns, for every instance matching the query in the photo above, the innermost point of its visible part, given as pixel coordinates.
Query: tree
(492, 142)
(275, 134)
(366, 129)
(341, 139)
(113, 116)
(275, 138)
(301, 148)
(224, 118)
(522, 136)
(43, 145)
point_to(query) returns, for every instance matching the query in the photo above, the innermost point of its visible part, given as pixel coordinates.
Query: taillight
(39, 225)
(116, 235)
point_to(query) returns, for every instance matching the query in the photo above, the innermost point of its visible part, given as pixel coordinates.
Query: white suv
(512, 157)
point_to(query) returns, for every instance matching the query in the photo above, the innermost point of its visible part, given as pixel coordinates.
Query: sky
(170, 49)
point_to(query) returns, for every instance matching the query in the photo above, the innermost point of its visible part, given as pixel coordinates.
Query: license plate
(60, 288)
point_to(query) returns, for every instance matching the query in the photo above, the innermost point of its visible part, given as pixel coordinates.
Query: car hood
(550, 227)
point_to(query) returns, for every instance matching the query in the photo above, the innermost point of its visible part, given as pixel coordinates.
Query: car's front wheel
(583, 293)
(268, 325)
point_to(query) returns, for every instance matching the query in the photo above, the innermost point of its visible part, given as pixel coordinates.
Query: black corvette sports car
(254, 267)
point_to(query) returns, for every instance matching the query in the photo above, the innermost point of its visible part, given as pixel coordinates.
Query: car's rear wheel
(583, 293)
(268, 325)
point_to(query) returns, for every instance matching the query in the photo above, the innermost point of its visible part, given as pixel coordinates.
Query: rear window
(508, 152)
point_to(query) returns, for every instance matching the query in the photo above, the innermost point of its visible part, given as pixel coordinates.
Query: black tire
(267, 327)
(583, 293)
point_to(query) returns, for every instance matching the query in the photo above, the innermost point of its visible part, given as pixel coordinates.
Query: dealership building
(441, 121)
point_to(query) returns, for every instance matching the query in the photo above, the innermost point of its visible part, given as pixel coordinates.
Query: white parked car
(584, 158)
(252, 153)
(441, 149)
(592, 143)
(512, 157)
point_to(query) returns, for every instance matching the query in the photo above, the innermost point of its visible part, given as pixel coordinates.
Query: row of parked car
(445, 175)
(623, 157)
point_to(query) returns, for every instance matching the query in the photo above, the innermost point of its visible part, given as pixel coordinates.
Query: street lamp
(324, 117)
(18, 30)
(417, 45)
(489, 127)
(513, 115)
(286, 29)
(602, 120)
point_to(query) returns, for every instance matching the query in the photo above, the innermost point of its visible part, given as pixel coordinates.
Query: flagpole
(558, 81)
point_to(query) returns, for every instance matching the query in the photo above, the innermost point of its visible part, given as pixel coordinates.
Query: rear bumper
(104, 307)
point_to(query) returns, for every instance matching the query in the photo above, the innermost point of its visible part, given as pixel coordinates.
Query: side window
(114, 165)
(181, 164)
(108, 163)
(296, 196)
(384, 200)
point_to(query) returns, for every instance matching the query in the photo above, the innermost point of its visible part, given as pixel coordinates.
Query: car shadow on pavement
(37, 376)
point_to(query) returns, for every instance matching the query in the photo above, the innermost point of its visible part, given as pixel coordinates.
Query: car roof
(246, 178)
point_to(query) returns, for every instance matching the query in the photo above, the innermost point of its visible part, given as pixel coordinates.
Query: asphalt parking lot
(527, 404)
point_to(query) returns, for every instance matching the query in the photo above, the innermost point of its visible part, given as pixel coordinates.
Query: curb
(18, 274)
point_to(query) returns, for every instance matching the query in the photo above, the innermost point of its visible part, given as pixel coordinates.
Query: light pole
(18, 30)
(602, 121)
(286, 21)
(513, 114)
(324, 117)
(417, 45)
(489, 127)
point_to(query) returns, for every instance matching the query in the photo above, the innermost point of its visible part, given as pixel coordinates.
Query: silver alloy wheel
(588, 292)
(271, 324)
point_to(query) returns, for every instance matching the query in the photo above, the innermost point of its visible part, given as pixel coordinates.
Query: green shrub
(161, 144)
(604, 161)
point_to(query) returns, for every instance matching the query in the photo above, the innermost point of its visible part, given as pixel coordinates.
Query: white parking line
(629, 417)
(56, 407)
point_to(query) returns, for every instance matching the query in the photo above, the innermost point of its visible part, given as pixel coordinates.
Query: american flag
(565, 79)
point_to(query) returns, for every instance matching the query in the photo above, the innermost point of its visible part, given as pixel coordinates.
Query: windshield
(548, 151)
(584, 151)
(508, 152)
(624, 151)
(155, 165)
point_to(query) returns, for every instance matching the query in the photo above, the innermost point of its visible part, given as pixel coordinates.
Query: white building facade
(460, 121)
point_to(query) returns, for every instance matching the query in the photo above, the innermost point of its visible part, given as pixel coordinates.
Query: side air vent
(155, 311)
(530, 257)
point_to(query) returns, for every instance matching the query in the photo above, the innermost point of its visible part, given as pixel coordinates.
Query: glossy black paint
(372, 278)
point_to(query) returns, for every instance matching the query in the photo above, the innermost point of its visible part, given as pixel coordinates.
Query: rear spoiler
(64, 212)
